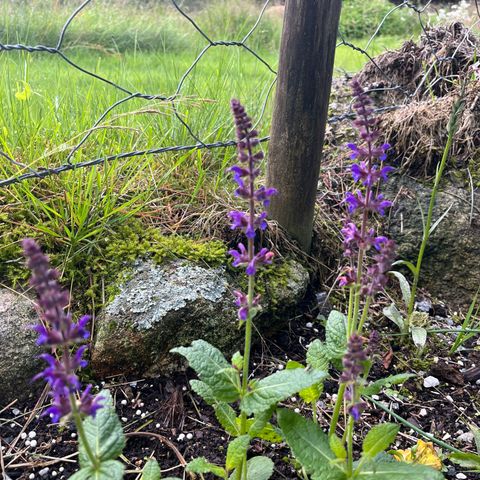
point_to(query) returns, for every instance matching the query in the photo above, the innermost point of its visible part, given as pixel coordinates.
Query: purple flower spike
(57, 329)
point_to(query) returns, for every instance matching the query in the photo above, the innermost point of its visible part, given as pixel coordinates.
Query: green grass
(73, 213)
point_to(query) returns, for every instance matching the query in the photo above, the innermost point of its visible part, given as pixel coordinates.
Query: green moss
(94, 273)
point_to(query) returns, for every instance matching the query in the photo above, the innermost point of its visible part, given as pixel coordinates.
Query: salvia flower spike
(250, 221)
(58, 330)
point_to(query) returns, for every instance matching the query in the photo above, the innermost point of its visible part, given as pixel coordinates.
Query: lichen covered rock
(451, 266)
(19, 358)
(159, 307)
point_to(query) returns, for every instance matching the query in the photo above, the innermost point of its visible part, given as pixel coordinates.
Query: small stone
(297, 410)
(43, 471)
(460, 476)
(54, 473)
(446, 436)
(124, 419)
(61, 469)
(189, 436)
(73, 435)
(467, 437)
(138, 412)
(33, 443)
(31, 476)
(449, 398)
(32, 434)
(375, 397)
(123, 402)
(181, 437)
(16, 411)
(424, 306)
(430, 382)
(423, 412)
(157, 425)
(280, 367)
(141, 405)
(309, 324)
(293, 399)
(13, 425)
(23, 435)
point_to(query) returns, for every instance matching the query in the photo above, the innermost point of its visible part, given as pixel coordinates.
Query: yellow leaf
(422, 453)
(24, 94)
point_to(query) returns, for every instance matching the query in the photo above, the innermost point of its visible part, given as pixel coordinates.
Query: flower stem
(350, 447)
(337, 408)
(77, 418)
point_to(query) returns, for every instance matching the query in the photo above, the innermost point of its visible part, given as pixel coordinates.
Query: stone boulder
(163, 306)
(19, 358)
(451, 265)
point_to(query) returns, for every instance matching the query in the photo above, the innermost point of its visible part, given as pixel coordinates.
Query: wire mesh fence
(70, 162)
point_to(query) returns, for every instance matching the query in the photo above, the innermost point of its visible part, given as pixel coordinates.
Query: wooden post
(300, 112)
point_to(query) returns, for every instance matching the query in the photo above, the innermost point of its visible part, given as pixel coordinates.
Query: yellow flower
(422, 453)
(24, 94)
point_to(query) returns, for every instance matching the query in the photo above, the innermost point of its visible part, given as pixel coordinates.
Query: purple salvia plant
(58, 331)
(248, 222)
(245, 174)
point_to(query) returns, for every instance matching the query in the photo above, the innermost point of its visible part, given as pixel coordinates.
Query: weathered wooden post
(300, 112)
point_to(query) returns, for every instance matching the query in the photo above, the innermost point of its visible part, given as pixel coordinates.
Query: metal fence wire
(26, 172)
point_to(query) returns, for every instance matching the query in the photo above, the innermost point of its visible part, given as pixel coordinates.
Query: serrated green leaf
(151, 471)
(212, 368)
(270, 434)
(404, 287)
(267, 392)
(317, 356)
(419, 336)
(227, 418)
(109, 470)
(375, 387)
(259, 427)
(202, 465)
(202, 389)
(236, 451)
(379, 439)
(337, 447)
(237, 360)
(336, 334)
(104, 434)
(397, 471)
(466, 460)
(395, 316)
(259, 468)
(292, 365)
(311, 394)
(309, 444)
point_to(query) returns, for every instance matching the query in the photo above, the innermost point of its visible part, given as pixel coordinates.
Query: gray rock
(18, 361)
(450, 270)
(163, 306)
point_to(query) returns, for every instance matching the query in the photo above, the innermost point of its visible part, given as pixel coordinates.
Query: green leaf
(404, 286)
(227, 418)
(395, 316)
(317, 356)
(237, 360)
(202, 389)
(408, 264)
(379, 439)
(270, 434)
(259, 468)
(309, 444)
(466, 460)
(337, 447)
(310, 394)
(259, 427)
(151, 471)
(292, 365)
(237, 450)
(109, 470)
(212, 368)
(397, 471)
(419, 336)
(104, 434)
(202, 465)
(375, 387)
(336, 334)
(267, 392)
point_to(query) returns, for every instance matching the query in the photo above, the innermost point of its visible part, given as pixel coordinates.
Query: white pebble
(54, 473)
(449, 398)
(157, 425)
(309, 324)
(123, 402)
(27, 443)
(13, 425)
(61, 469)
(23, 435)
(461, 476)
(141, 405)
(280, 367)
(430, 382)
(467, 437)
(297, 410)
(446, 436)
(32, 434)
(143, 415)
(124, 419)
(43, 471)
(16, 411)
(189, 436)
(31, 476)
(73, 434)
(138, 412)
(423, 412)
(293, 399)
(181, 437)
(33, 443)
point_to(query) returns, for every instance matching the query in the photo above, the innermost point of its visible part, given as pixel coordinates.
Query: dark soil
(167, 407)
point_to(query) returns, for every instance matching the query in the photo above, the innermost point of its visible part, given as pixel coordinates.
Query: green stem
(452, 128)
(350, 447)
(401, 420)
(336, 410)
(314, 411)
(364, 315)
(77, 418)
(350, 310)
